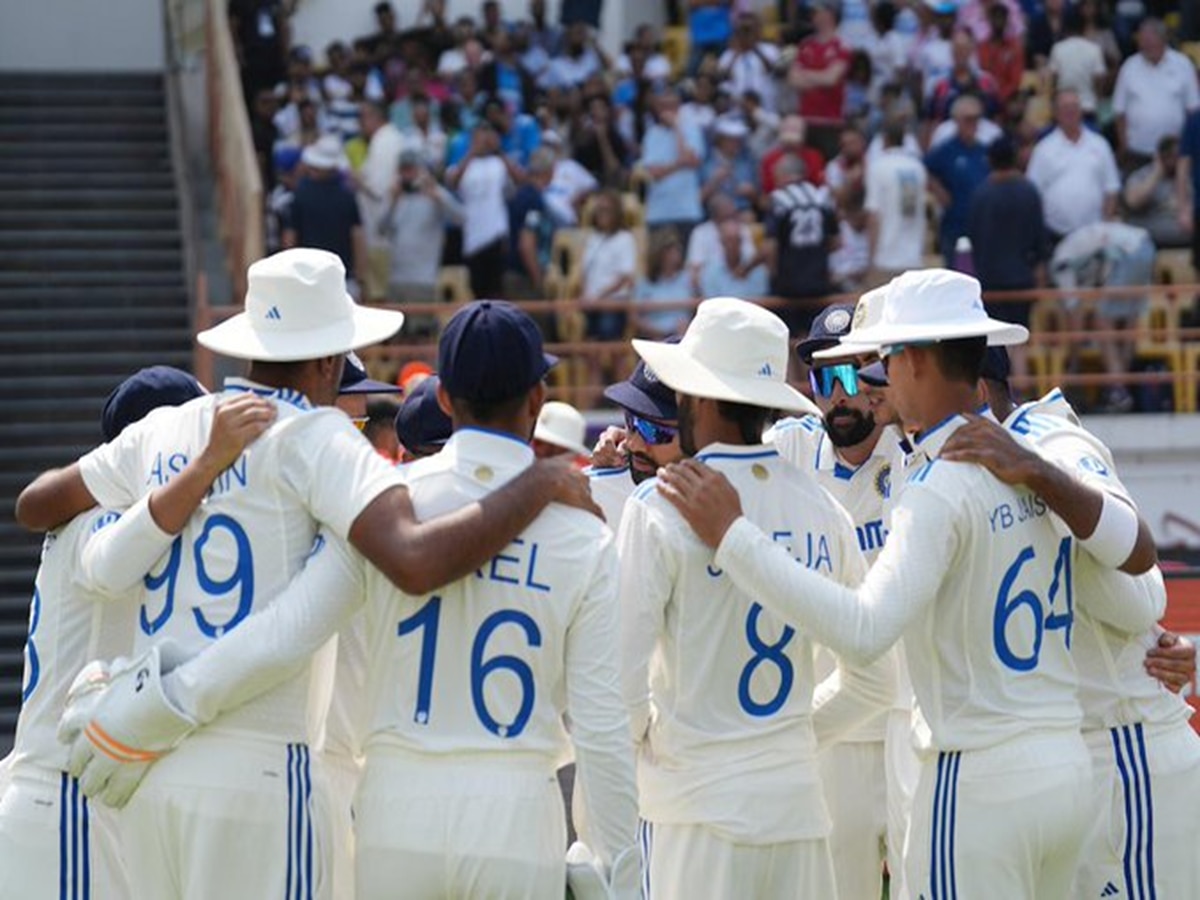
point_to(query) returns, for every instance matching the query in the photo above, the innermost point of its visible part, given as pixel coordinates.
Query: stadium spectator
(457, 58)
(763, 124)
(887, 48)
(570, 183)
(956, 168)
(1002, 51)
(1045, 30)
(819, 76)
(729, 169)
(1187, 183)
(704, 243)
(264, 134)
(700, 110)
(1008, 237)
(609, 266)
(932, 57)
(1074, 170)
(543, 33)
(671, 158)
(980, 18)
(1156, 89)
(580, 59)
(895, 205)
(644, 59)
(531, 231)
(414, 225)
(850, 263)
(599, 146)
(846, 172)
(375, 179)
(792, 132)
(750, 63)
(801, 231)
(725, 275)
(666, 280)
(519, 135)
(261, 31)
(482, 180)
(1151, 199)
(286, 166)
(709, 27)
(1077, 64)
(324, 214)
(1096, 29)
(386, 42)
(963, 80)
(503, 77)
(425, 135)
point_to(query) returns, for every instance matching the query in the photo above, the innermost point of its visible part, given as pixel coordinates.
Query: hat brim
(676, 369)
(845, 351)
(236, 337)
(371, 386)
(640, 403)
(547, 437)
(998, 334)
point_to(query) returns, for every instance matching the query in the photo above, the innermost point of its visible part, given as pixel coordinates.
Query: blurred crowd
(792, 152)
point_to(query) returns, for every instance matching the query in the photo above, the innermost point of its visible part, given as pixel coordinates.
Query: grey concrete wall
(81, 35)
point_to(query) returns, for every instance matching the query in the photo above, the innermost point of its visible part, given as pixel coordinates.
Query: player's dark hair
(750, 420)
(487, 412)
(962, 359)
(277, 374)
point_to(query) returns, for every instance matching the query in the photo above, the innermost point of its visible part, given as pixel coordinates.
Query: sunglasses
(822, 380)
(652, 433)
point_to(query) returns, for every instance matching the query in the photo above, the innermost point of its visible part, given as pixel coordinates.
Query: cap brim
(540, 434)
(371, 386)
(676, 369)
(237, 338)
(808, 347)
(640, 403)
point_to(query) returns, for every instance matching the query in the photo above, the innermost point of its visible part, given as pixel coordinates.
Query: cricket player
(628, 454)
(1145, 756)
(54, 845)
(851, 450)
(459, 797)
(721, 689)
(976, 577)
(199, 826)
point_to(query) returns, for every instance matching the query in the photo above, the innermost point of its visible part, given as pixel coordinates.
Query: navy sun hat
(420, 421)
(491, 351)
(831, 324)
(356, 381)
(142, 393)
(644, 395)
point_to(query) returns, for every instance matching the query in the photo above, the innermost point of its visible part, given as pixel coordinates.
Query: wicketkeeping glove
(119, 722)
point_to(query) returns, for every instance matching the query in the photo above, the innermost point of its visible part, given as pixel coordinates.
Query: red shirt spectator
(1002, 57)
(819, 74)
(791, 143)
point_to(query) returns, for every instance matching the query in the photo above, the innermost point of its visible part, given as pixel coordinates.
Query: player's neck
(951, 399)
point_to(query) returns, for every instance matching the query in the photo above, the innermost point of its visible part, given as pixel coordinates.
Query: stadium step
(83, 115)
(87, 198)
(24, 319)
(40, 259)
(97, 278)
(26, 220)
(51, 180)
(70, 133)
(113, 337)
(70, 167)
(121, 300)
(102, 150)
(90, 238)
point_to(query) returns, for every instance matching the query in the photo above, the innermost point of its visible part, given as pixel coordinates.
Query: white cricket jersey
(71, 622)
(721, 690)
(976, 577)
(610, 489)
(489, 665)
(1116, 612)
(251, 534)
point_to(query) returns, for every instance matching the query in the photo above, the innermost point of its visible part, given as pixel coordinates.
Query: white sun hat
(733, 350)
(868, 312)
(325, 153)
(564, 426)
(930, 305)
(297, 308)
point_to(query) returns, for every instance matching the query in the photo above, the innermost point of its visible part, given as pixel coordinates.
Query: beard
(847, 427)
(638, 474)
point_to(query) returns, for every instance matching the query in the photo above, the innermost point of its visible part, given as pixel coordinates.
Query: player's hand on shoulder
(1172, 661)
(237, 422)
(989, 444)
(703, 496)
(607, 453)
(569, 485)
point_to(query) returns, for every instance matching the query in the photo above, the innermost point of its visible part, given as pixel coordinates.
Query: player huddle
(911, 625)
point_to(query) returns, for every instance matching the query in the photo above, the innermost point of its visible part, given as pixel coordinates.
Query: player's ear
(537, 399)
(444, 402)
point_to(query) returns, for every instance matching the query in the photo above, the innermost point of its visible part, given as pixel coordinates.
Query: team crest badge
(837, 321)
(883, 482)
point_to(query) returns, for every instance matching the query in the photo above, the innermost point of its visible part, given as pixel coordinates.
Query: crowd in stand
(1038, 142)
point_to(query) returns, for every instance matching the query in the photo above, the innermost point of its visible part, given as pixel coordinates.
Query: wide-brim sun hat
(297, 308)
(563, 426)
(325, 153)
(932, 305)
(733, 350)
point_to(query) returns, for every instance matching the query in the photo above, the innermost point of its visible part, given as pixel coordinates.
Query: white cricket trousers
(686, 862)
(340, 774)
(854, 779)
(1145, 841)
(227, 818)
(54, 844)
(903, 775)
(1004, 823)
(467, 826)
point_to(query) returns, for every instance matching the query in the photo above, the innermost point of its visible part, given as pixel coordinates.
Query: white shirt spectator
(1073, 177)
(482, 189)
(852, 258)
(896, 195)
(889, 56)
(704, 244)
(606, 257)
(377, 175)
(988, 131)
(749, 72)
(934, 59)
(875, 149)
(1155, 99)
(568, 71)
(569, 181)
(657, 67)
(1076, 62)
(430, 144)
(700, 116)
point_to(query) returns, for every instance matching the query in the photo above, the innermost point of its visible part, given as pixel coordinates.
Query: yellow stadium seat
(454, 285)
(675, 46)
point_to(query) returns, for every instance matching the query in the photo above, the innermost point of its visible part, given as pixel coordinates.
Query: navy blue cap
(644, 395)
(831, 324)
(140, 394)
(996, 366)
(420, 421)
(490, 352)
(355, 380)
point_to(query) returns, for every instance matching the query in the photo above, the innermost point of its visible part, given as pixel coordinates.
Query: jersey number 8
(764, 654)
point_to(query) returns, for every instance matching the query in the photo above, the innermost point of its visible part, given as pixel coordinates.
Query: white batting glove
(131, 724)
(586, 879)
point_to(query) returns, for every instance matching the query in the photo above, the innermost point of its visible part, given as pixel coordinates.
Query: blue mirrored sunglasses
(822, 380)
(650, 432)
